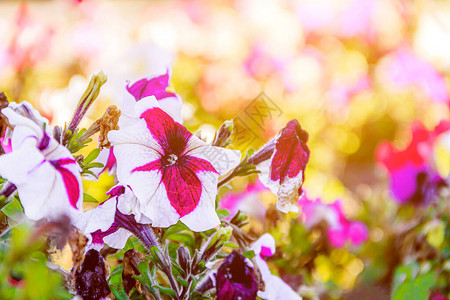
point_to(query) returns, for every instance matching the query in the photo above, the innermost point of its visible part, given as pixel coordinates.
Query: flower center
(170, 160)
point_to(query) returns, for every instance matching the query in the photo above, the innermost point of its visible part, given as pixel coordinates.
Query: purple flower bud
(235, 279)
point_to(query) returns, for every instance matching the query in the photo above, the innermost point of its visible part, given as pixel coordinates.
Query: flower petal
(152, 195)
(99, 218)
(204, 216)
(223, 160)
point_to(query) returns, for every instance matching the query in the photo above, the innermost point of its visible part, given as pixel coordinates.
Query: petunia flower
(246, 201)
(340, 229)
(275, 287)
(115, 220)
(173, 173)
(282, 163)
(155, 86)
(412, 174)
(235, 279)
(45, 173)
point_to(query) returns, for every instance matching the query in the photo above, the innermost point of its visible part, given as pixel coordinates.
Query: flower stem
(148, 238)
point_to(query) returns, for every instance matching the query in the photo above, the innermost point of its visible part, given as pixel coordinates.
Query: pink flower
(30, 41)
(282, 164)
(412, 177)
(156, 86)
(407, 69)
(168, 168)
(246, 201)
(45, 173)
(260, 64)
(340, 229)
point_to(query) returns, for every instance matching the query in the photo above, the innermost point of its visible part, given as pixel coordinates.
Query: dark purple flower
(90, 280)
(235, 279)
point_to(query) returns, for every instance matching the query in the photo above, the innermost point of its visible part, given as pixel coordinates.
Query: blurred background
(355, 73)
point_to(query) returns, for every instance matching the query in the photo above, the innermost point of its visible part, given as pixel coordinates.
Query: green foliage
(409, 283)
(24, 273)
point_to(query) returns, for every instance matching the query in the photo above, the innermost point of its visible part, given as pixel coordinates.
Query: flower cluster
(413, 173)
(165, 177)
(339, 228)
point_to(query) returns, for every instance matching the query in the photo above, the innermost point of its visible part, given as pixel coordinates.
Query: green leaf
(95, 165)
(174, 229)
(156, 254)
(166, 291)
(173, 247)
(182, 282)
(89, 198)
(93, 155)
(13, 209)
(222, 213)
(231, 245)
(185, 238)
(119, 294)
(249, 254)
(410, 288)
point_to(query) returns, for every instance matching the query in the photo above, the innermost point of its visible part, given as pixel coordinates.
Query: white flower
(173, 173)
(45, 173)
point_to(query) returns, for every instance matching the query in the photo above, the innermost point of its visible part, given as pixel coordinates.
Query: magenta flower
(45, 173)
(235, 279)
(282, 163)
(157, 86)
(340, 229)
(169, 169)
(246, 201)
(412, 176)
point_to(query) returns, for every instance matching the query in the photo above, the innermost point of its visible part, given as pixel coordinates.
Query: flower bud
(183, 258)
(216, 242)
(222, 138)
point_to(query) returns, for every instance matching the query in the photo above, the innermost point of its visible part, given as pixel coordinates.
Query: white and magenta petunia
(45, 173)
(282, 163)
(169, 102)
(113, 221)
(275, 287)
(340, 229)
(170, 170)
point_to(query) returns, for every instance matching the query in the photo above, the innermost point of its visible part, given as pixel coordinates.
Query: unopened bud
(222, 138)
(88, 98)
(215, 243)
(183, 258)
